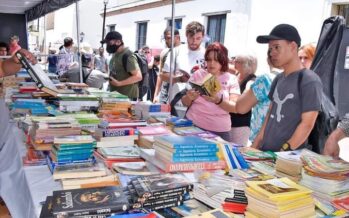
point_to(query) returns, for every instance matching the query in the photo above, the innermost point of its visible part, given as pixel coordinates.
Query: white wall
(247, 20)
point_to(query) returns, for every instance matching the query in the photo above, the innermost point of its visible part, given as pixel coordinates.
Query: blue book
(240, 158)
(229, 157)
(195, 159)
(173, 141)
(195, 150)
(194, 154)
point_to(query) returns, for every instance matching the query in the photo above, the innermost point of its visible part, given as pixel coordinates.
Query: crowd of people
(271, 112)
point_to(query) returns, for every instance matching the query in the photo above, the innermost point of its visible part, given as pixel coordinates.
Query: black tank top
(240, 120)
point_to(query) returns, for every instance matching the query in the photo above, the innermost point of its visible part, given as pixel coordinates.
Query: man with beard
(121, 80)
(295, 94)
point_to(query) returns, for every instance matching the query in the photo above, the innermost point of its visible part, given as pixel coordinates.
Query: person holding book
(211, 111)
(342, 131)
(295, 94)
(13, 184)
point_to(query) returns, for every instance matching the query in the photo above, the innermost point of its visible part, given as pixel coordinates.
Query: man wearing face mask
(124, 82)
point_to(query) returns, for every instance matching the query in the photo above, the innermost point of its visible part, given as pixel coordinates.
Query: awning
(45, 7)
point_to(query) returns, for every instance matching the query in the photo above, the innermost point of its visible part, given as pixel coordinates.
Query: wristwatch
(286, 147)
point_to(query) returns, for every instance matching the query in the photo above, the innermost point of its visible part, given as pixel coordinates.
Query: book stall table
(39, 178)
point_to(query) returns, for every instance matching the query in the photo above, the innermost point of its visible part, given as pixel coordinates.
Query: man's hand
(331, 148)
(31, 58)
(114, 82)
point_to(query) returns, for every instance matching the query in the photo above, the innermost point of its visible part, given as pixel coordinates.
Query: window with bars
(216, 28)
(141, 34)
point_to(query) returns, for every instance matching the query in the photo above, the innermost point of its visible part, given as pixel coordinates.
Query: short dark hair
(4, 45)
(68, 41)
(221, 54)
(157, 58)
(194, 27)
(169, 29)
(85, 59)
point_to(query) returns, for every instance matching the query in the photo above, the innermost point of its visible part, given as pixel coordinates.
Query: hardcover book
(89, 201)
(209, 86)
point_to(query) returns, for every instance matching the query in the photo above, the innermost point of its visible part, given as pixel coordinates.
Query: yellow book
(278, 189)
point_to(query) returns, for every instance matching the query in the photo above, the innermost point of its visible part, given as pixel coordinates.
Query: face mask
(111, 49)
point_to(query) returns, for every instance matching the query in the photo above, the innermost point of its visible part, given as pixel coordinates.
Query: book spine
(240, 159)
(194, 150)
(229, 157)
(195, 159)
(196, 154)
(102, 211)
(64, 147)
(185, 167)
(158, 204)
(118, 132)
(74, 152)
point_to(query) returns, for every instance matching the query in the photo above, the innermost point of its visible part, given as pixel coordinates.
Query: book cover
(120, 151)
(209, 86)
(38, 75)
(191, 207)
(277, 189)
(154, 185)
(115, 132)
(216, 213)
(135, 168)
(46, 209)
(89, 201)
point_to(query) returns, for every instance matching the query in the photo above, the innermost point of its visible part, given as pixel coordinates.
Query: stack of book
(135, 168)
(145, 110)
(278, 198)
(69, 149)
(146, 135)
(88, 121)
(34, 106)
(175, 122)
(77, 102)
(98, 202)
(115, 107)
(110, 155)
(158, 191)
(216, 190)
(329, 178)
(34, 158)
(172, 149)
(44, 129)
(288, 164)
(252, 154)
(112, 135)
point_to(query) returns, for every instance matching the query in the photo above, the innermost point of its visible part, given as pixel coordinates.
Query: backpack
(143, 85)
(325, 123)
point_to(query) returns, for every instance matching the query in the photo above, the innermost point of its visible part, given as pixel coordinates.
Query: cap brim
(267, 38)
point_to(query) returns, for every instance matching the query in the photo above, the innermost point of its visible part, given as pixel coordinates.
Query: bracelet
(220, 101)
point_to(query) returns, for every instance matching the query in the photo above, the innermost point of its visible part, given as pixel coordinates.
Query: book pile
(220, 191)
(70, 149)
(34, 158)
(98, 202)
(87, 121)
(288, 164)
(114, 107)
(158, 191)
(27, 87)
(145, 110)
(328, 178)
(44, 130)
(77, 102)
(146, 135)
(265, 167)
(115, 136)
(110, 155)
(33, 106)
(278, 198)
(172, 149)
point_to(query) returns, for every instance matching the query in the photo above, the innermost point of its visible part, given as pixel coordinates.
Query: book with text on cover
(89, 201)
(209, 86)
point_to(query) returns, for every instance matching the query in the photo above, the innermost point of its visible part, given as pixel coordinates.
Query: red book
(342, 203)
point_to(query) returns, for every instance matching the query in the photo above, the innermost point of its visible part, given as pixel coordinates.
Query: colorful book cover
(174, 141)
(89, 201)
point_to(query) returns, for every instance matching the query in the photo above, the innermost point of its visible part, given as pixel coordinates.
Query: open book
(209, 86)
(39, 76)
